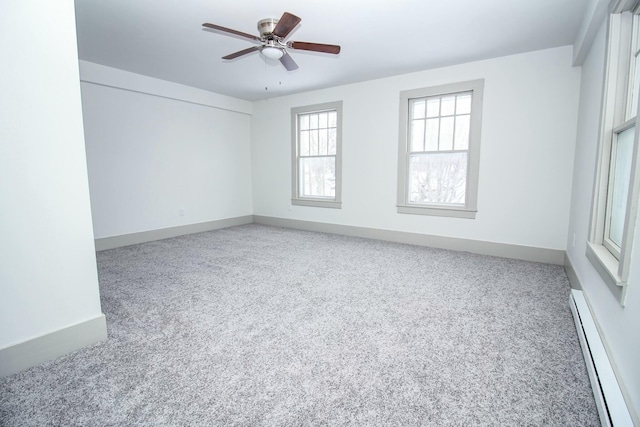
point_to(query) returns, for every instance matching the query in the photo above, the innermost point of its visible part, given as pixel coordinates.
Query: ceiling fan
(273, 33)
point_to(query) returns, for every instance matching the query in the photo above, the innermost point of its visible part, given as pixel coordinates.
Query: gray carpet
(259, 325)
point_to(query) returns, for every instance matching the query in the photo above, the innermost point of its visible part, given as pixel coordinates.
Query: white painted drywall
(594, 13)
(620, 326)
(528, 138)
(152, 157)
(48, 277)
(115, 78)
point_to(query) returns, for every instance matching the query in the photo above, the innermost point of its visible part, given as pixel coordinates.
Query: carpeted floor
(258, 325)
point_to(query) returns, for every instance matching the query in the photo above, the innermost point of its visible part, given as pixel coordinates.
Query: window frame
(612, 265)
(469, 209)
(296, 198)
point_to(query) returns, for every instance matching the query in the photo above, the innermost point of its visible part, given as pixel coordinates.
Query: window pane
(322, 119)
(417, 135)
(304, 122)
(333, 119)
(439, 178)
(462, 132)
(418, 109)
(313, 143)
(304, 143)
(463, 104)
(313, 121)
(448, 106)
(620, 185)
(433, 130)
(446, 133)
(333, 141)
(322, 145)
(433, 107)
(318, 177)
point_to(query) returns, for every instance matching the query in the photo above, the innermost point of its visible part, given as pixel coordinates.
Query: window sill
(437, 211)
(607, 267)
(317, 203)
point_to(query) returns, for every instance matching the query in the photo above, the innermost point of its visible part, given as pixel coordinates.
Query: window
(316, 155)
(616, 188)
(439, 150)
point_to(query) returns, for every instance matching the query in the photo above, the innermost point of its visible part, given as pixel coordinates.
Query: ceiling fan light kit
(272, 52)
(273, 33)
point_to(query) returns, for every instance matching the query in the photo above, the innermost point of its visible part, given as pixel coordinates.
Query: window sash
(316, 124)
(439, 183)
(618, 186)
(449, 188)
(325, 183)
(633, 83)
(440, 123)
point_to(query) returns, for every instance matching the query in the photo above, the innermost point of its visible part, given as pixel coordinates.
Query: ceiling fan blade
(229, 30)
(288, 62)
(316, 47)
(286, 24)
(242, 52)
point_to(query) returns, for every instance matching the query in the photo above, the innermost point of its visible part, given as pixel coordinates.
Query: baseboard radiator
(606, 390)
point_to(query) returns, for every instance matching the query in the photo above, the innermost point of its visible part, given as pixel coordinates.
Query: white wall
(527, 148)
(154, 148)
(620, 326)
(48, 277)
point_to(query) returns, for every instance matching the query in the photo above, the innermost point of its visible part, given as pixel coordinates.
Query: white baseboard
(504, 250)
(606, 389)
(571, 273)
(32, 352)
(166, 233)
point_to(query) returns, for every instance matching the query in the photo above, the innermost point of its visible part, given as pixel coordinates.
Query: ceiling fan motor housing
(266, 26)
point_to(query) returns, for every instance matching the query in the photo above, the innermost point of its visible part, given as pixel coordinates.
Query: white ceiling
(165, 39)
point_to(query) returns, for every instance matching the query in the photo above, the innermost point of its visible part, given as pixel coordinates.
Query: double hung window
(316, 155)
(615, 197)
(439, 150)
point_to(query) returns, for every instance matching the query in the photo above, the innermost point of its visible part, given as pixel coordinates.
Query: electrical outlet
(573, 244)
(181, 211)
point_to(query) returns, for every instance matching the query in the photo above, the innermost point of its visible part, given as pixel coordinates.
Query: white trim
(607, 267)
(572, 275)
(32, 352)
(618, 6)
(606, 390)
(436, 211)
(315, 203)
(166, 233)
(504, 250)
(612, 271)
(125, 80)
